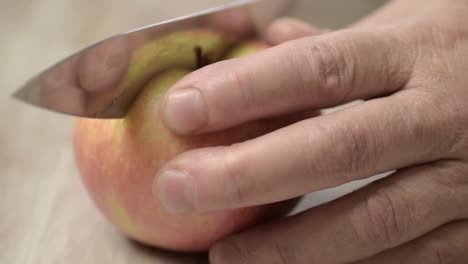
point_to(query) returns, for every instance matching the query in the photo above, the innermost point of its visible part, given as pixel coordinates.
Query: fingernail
(225, 253)
(175, 191)
(185, 111)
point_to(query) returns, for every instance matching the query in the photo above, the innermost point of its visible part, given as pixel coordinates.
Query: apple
(118, 158)
(153, 56)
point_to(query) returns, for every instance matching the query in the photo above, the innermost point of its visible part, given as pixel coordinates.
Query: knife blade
(85, 83)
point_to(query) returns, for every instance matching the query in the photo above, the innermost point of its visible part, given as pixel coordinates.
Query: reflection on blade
(103, 80)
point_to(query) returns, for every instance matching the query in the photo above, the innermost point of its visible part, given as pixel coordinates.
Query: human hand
(411, 74)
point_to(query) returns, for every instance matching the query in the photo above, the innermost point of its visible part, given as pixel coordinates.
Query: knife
(63, 89)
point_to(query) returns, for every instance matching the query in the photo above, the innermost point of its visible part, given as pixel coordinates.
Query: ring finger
(384, 215)
(448, 244)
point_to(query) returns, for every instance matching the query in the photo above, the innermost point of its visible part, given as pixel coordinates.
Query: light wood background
(45, 214)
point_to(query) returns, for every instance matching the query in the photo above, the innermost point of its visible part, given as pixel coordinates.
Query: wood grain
(45, 215)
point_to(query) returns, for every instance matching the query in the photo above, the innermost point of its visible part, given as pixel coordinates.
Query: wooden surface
(45, 215)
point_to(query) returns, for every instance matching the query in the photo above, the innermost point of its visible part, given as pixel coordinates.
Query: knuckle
(359, 150)
(283, 254)
(451, 181)
(439, 252)
(450, 175)
(233, 167)
(451, 116)
(224, 167)
(459, 145)
(440, 128)
(241, 80)
(229, 248)
(356, 148)
(244, 83)
(301, 87)
(249, 252)
(454, 117)
(351, 144)
(307, 149)
(388, 219)
(457, 121)
(334, 68)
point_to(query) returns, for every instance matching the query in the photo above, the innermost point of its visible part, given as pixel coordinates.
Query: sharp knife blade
(60, 88)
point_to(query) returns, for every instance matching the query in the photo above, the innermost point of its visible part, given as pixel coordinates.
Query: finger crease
(234, 181)
(281, 255)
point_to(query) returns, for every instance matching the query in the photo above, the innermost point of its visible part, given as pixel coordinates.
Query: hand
(411, 73)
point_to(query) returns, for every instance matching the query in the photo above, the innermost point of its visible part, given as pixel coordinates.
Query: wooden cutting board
(45, 215)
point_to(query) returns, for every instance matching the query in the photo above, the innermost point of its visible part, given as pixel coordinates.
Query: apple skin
(147, 59)
(118, 161)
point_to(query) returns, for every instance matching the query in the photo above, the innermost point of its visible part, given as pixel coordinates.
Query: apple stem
(202, 59)
(199, 56)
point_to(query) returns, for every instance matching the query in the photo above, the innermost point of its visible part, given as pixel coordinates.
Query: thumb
(286, 29)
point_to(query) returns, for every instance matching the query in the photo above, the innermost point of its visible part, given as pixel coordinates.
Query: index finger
(309, 73)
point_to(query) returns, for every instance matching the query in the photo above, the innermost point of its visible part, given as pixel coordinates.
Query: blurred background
(45, 215)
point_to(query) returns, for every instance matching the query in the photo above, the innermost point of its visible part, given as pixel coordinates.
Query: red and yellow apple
(118, 159)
